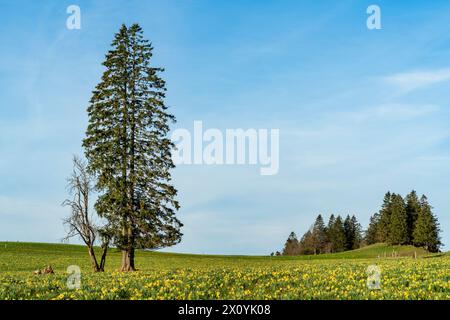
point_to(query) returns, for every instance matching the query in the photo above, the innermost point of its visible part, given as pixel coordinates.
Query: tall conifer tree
(372, 233)
(398, 227)
(426, 231)
(356, 233)
(319, 235)
(339, 235)
(348, 231)
(292, 245)
(330, 233)
(385, 218)
(128, 149)
(412, 212)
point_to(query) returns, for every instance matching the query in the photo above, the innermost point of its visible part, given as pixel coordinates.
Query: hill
(187, 276)
(379, 250)
(24, 256)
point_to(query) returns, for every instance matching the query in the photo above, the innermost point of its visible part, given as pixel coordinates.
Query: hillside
(22, 256)
(187, 276)
(380, 250)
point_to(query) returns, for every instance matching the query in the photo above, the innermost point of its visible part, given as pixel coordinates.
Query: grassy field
(187, 276)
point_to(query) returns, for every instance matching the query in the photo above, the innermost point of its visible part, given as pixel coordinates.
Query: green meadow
(403, 272)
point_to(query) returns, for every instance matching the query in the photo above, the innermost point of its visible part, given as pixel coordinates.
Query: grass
(59, 256)
(190, 276)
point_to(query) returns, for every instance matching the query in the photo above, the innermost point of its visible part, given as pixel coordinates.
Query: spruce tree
(319, 235)
(331, 223)
(352, 231)
(412, 212)
(291, 247)
(307, 243)
(128, 148)
(372, 233)
(398, 227)
(426, 230)
(356, 233)
(385, 218)
(330, 232)
(348, 231)
(339, 240)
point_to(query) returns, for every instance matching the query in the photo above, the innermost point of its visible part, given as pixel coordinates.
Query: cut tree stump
(47, 270)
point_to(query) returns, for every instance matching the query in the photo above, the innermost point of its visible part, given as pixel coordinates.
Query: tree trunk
(103, 259)
(94, 262)
(128, 260)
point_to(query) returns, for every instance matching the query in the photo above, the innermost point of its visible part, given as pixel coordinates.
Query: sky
(360, 112)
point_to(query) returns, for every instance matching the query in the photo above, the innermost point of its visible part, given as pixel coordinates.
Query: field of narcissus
(176, 276)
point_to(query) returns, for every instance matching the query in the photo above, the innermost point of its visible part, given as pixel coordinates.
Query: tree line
(408, 221)
(338, 235)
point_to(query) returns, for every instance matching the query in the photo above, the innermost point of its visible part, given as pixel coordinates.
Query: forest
(400, 221)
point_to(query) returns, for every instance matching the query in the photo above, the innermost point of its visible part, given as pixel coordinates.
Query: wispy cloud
(375, 136)
(392, 111)
(409, 81)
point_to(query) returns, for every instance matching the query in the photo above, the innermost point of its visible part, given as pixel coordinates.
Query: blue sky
(360, 111)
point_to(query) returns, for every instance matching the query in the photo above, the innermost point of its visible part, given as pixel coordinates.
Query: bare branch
(80, 223)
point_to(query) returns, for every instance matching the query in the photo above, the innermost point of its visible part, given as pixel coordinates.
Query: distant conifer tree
(356, 233)
(372, 233)
(398, 227)
(292, 246)
(426, 231)
(319, 235)
(412, 212)
(385, 218)
(339, 240)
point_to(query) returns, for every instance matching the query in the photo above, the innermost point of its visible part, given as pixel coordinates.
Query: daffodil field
(176, 276)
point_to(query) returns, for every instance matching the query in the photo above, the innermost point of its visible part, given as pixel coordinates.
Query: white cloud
(393, 111)
(373, 138)
(409, 81)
